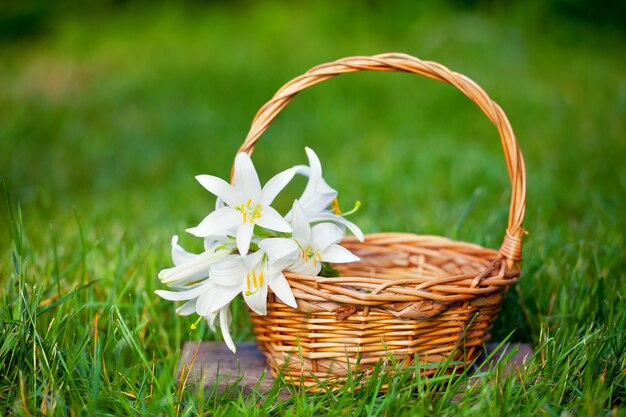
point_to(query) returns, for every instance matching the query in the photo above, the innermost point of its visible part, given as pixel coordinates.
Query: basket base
(215, 368)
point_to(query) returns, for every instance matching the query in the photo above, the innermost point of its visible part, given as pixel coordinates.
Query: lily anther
(256, 281)
(249, 211)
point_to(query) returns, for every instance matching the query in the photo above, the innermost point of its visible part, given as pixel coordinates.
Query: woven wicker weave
(411, 296)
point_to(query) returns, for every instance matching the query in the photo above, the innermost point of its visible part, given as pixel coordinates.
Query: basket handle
(511, 248)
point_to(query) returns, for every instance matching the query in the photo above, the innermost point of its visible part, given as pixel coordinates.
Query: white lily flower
(318, 196)
(246, 203)
(310, 245)
(190, 267)
(250, 275)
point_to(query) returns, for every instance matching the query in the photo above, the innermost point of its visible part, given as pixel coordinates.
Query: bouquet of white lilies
(248, 244)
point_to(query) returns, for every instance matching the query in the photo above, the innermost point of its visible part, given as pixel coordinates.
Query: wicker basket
(416, 297)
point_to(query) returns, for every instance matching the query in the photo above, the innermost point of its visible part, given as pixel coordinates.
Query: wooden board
(215, 367)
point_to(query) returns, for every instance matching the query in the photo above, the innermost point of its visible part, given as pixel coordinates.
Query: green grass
(105, 120)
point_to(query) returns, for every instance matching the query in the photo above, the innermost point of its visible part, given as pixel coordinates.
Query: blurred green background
(109, 108)
(112, 108)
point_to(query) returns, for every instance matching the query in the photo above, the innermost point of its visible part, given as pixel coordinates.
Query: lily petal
(210, 320)
(325, 234)
(221, 189)
(338, 254)
(215, 298)
(317, 195)
(211, 244)
(193, 270)
(187, 309)
(325, 189)
(327, 216)
(186, 286)
(279, 285)
(225, 327)
(275, 185)
(300, 223)
(317, 200)
(301, 267)
(246, 179)
(252, 260)
(278, 248)
(303, 170)
(244, 236)
(179, 277)
(314, 163)
(183, 295)
(180, 255)
(225, 239)
(219, 203)
(282, 264)
(217, 221)
(257, 301)
(270, 219)
(228, 272)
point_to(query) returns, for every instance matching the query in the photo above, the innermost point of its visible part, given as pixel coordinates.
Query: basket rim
(490, 278)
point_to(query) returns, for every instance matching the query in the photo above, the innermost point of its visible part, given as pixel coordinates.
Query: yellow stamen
(356, 208)
(194, 326)
(254, 279)
(261, 279)
(249, 202)
(336, 208)
(248, 281)
(245, 215)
